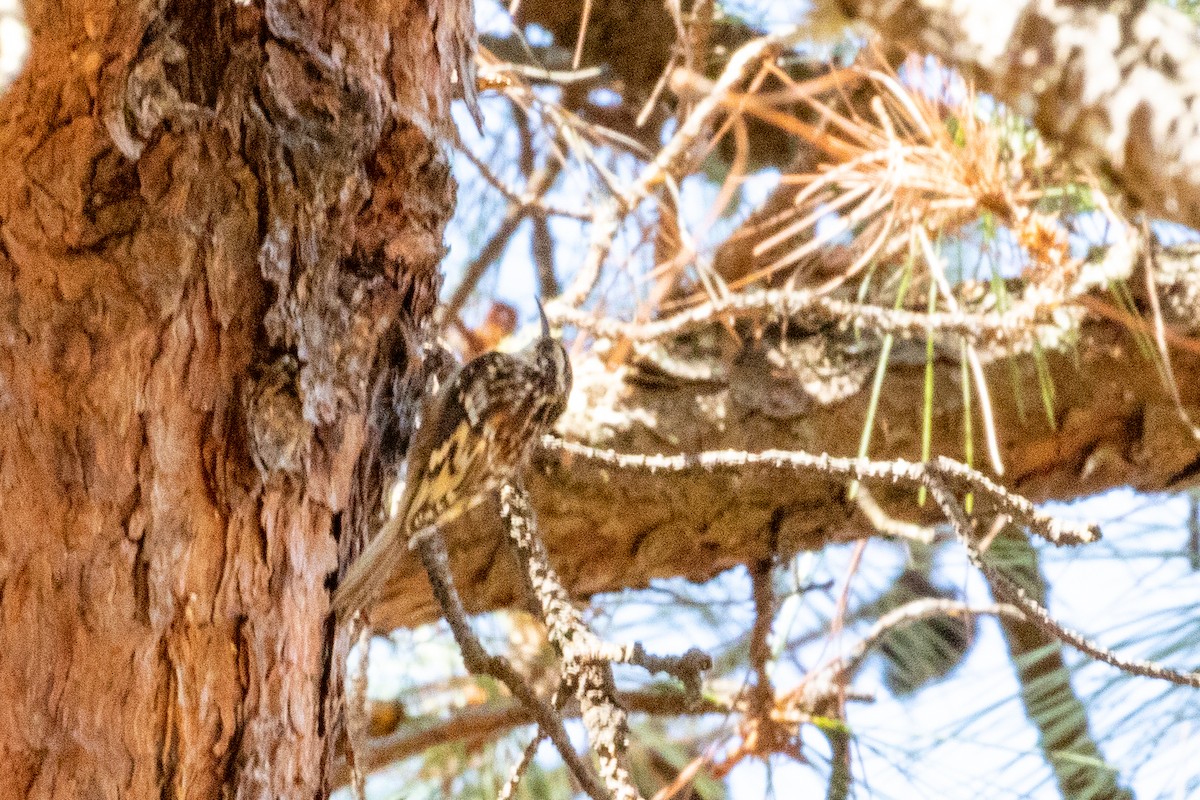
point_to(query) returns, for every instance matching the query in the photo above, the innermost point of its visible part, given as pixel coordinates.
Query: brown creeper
(477, 432)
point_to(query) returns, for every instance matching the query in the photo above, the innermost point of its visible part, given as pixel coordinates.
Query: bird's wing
(375, 564)
(449, 468)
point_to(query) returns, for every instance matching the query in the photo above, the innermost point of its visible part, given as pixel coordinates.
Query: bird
(477, 431)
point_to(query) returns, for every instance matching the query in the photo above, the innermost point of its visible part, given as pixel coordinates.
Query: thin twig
(559, 77)
(813, 692)
(1013, 329)
(540, 181)
(482, 723)
(1160, 331)
(518, 771)
(916, 611)
(688, 668)
(941, 469)
(938, 271)
(686, 775)
(487, 256)
(585, 18)
(606, 217)
(843, 601)
(1034, 611)
(888, 525)
(529, 199)
(356, 729)
(1106, 310)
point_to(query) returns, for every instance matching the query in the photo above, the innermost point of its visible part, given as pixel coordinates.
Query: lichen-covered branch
(479, 662)
(1012, 592)
(1016, 329)
(587, 660)
(942, 470)
(608, 528)
(590, 681)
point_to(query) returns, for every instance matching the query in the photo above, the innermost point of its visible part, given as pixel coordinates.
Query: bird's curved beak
(542, 314)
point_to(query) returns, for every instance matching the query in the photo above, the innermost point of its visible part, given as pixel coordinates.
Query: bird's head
(554, 371)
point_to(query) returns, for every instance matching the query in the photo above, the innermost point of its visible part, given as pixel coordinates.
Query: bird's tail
(367, 573)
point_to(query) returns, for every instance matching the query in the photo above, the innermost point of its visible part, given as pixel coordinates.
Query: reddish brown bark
(193, 193)
(215, 220)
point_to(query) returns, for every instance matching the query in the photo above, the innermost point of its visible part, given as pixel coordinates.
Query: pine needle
(885, 352)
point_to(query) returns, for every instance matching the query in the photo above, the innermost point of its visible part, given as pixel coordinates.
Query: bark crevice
(173, 468)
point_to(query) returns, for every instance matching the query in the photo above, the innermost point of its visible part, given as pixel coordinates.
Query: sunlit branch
(587, 660)
(1014, 329)
(1035, 611)
(941, 470)
(478, 661)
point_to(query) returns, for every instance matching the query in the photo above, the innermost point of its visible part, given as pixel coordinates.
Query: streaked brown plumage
(477, 431)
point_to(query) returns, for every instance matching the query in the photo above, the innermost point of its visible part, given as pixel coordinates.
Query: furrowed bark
(213, 214)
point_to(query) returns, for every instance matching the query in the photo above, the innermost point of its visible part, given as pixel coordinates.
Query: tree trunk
(216, 220)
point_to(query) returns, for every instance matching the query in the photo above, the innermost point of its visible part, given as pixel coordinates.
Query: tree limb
(608, 528)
